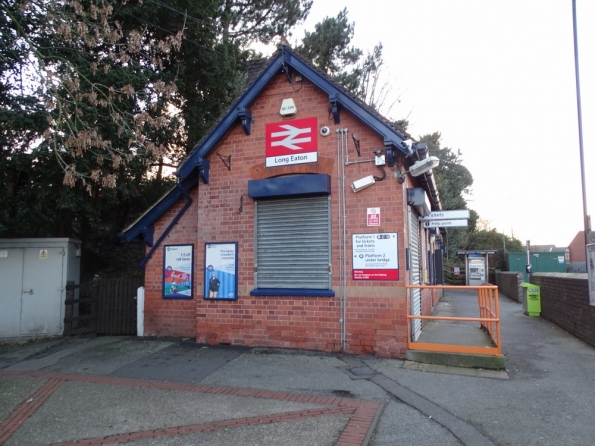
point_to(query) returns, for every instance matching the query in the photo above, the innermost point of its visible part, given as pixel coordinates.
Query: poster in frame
(178, 270)
(221, 271)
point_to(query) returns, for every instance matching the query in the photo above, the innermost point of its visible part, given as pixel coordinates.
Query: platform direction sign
(445, 223)
(447, 215)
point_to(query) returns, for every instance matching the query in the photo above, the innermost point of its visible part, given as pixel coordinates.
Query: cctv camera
(407, 144)
(325, 131)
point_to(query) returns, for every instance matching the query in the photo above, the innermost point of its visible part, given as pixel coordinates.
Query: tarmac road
(140, 391)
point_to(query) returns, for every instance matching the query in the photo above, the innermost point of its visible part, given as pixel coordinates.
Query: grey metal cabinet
(33, 276)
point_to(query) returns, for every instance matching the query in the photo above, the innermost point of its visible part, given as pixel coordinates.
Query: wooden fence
(106, 307)
(80, 316)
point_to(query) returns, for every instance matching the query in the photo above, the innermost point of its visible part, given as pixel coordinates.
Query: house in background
(577, 257)
(546, 248)
(295, 224)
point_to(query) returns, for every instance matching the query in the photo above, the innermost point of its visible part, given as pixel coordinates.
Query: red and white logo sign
(292, 142)
(373, 217)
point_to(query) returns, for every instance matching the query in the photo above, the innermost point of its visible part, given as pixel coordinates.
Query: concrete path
(174, 392)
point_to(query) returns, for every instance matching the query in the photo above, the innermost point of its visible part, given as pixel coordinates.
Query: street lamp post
(586, 220)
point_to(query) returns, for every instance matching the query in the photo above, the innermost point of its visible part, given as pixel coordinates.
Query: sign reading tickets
(375, 256)
(292, 142)
(178, 265)
(221, 271)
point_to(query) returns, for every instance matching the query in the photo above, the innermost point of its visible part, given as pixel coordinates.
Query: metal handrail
(489, 319)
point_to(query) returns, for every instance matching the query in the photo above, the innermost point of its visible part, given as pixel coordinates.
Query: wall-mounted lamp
(418, 168)
(363, 183)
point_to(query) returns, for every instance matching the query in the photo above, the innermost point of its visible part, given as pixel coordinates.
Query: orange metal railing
(489, 319)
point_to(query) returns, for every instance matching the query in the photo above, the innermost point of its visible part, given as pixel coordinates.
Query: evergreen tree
(490, 239)
(95, 92)
(454, 182)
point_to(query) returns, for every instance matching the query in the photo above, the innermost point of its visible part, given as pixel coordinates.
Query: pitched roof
(284, 60)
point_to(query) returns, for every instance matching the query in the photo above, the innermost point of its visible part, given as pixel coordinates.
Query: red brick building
(294, 224)
(577, 254)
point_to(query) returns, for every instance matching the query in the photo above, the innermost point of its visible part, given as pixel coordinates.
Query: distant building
(546, 248)
(577, 254)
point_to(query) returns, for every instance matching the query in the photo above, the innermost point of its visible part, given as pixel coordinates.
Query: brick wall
(376, 311)
(170, 317)
(565, 302)
(509, 283)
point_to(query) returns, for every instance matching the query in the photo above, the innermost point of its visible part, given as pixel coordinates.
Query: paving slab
(180, 362)
(105, 355)
(547, 400)
(313, 431)
(14, 390)
(434, 368)
(57, 351)
(133, 409)
(12, 352)
(164, 390)
(79, 409)
(292, 371)
(414, 428)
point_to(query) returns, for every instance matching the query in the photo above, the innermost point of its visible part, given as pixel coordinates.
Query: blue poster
(221, 271)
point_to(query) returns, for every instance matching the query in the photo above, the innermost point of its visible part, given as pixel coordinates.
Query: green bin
(531, 299)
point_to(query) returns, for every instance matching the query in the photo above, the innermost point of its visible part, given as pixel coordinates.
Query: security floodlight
(418, 168)
(363, 183)
(424, 166)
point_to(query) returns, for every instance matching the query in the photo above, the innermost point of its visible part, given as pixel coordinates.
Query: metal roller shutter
(293, 243)
(414, 272)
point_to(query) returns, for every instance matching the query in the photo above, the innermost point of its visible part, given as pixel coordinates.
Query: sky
(497, 79)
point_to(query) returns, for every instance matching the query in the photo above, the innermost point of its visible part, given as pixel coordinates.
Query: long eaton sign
(292, 142)
(375, 256)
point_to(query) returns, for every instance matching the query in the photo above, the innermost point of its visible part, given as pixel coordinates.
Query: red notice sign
(375, 274)
(292, 142)
(373, 217)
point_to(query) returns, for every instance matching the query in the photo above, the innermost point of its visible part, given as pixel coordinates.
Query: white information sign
(447, 215)
(445, 223)
(375, 256)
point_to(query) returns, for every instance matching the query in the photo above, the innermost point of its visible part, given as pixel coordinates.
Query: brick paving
(364, 414)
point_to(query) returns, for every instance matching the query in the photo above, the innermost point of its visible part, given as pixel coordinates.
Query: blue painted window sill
(291, 292)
